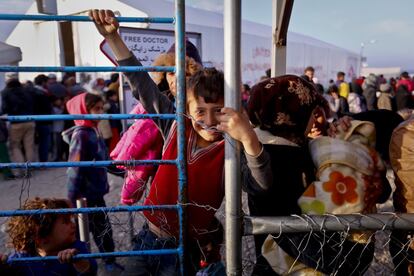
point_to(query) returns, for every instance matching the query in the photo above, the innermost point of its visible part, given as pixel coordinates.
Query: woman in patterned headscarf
(284, 110)
(287, 111)
(285, 106)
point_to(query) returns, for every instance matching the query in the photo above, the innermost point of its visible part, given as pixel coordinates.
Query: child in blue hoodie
(86, 144)
(46, 235)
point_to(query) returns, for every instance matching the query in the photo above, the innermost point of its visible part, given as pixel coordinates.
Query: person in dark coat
(370, 88)
(403, 98)
(16, 100)
(43, 106)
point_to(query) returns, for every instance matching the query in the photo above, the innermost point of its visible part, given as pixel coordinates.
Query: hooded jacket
(370, 89)
(85, 144)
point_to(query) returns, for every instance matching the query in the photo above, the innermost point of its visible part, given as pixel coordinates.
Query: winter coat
(403, 98)
(17, 101)
(85, 144)
(371, 97)
(384, 101)
(402, 162)
(142, 141)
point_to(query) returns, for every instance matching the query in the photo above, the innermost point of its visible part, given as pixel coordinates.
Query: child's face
(57, 103)
(171, 79)
(114, 98)
(63, 233)
(97, 108)
(204, 113)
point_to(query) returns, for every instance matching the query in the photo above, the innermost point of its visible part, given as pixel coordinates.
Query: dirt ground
(52, 183)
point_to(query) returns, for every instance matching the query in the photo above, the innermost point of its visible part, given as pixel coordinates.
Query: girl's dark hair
(246, 87)
(91, 100)
(207, 83)
(333, 89)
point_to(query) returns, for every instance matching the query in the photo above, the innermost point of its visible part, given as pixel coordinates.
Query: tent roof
(196, 16)
(9, 54)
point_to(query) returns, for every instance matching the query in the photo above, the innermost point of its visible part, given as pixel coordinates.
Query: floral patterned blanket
(348, 181)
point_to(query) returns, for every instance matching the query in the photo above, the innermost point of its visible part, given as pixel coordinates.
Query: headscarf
(77, 105)
(371, 80)
(284, 105)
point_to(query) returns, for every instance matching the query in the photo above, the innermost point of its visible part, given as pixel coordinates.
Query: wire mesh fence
(52, 183)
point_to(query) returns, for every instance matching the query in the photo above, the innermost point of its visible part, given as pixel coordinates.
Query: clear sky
(343, 23)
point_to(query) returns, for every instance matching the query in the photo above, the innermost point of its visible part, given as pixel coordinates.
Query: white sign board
(147, 44)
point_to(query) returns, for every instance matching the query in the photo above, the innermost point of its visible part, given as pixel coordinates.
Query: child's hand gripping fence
(180, 162)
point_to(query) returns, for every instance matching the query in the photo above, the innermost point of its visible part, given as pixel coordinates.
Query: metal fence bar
(73, 69)
(79, 18)
(117, 209)
(106, 163)
(100, 255)
(304, 223)
(83, 222)
(86, 117)
(181, 139)
(232, 80)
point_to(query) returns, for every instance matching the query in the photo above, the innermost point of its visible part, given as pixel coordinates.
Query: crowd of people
(42, 140)
(306, 150)
(365, 93)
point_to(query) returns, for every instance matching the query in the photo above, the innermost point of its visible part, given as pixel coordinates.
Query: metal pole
(232, 81)
(361, 55)
(122, 102)
(181, 140)
(83, 222)
(278, 51)
(305, 223)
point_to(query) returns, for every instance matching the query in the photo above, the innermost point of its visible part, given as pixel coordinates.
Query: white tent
(42, 45)
(9, 55)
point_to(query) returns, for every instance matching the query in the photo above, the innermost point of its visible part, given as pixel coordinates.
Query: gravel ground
(52, 183)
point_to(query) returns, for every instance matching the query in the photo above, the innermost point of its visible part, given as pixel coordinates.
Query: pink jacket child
(142, 141)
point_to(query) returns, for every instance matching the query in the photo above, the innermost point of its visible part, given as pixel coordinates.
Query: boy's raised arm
(143, 87)
(107, 26)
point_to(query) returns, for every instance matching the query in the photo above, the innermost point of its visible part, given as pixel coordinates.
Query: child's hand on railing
(237, 125)
(105, 22)
(66, 256)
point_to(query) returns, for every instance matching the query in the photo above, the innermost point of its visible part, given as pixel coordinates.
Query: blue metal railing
(72, 69)
(105, 163)
(117, 209)
(86, 117)
(78, 18)
(103, 255)
(180, 162)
